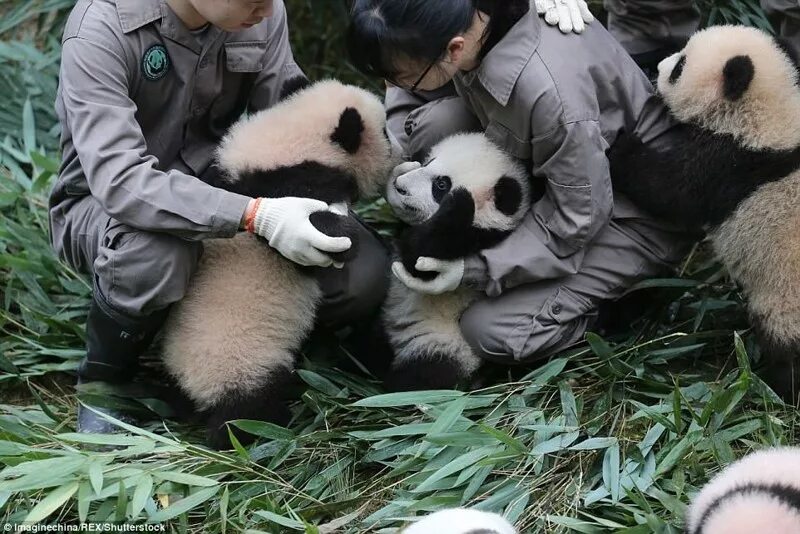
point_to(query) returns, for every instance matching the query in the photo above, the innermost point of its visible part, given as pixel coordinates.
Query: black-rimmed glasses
(413, 88)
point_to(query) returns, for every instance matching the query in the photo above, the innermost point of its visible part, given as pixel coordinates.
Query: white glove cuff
(267, 218)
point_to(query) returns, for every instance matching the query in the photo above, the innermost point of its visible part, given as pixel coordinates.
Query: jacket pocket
(567, 212)
(508, 140)
(245, 56)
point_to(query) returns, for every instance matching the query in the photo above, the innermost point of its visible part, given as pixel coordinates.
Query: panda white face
(735, 80)
(415, 195)
(496, 182)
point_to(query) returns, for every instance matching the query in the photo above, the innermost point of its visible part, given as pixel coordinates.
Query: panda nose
(399, 188)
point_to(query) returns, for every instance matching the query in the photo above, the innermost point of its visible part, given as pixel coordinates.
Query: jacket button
(408, 127)
(557, 308)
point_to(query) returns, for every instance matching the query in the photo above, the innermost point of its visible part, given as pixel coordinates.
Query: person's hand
(284, 223)
(405, 168)
(449, 274)
(569, 15)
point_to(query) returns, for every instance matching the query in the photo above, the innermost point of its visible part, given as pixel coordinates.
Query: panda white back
(461, 521)
(758, 494)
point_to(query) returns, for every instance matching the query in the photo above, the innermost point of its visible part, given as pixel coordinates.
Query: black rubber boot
(113, 345)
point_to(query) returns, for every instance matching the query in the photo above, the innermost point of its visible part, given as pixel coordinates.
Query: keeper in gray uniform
(651, 30)
(147, 89)
(557, 102)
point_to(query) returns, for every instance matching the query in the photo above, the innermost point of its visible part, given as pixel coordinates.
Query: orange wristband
(250, 216)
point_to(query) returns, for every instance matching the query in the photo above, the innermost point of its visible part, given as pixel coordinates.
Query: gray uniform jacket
(558, 102)
(145, 104)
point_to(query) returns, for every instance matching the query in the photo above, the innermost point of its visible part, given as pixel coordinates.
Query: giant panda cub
(231, 343)
(468, 196)
(461, 521)
(758, 494)
(733, 170)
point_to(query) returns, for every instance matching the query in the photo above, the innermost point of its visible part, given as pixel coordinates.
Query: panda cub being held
(468, 196)
(733, 170)
(231, 343)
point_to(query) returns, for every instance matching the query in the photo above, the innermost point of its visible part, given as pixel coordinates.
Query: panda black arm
(448, 235)
(306, 180)
(699, 178)
(657, 180)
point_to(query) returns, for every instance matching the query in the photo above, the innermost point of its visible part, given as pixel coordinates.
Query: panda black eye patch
(440, 186)
(677, 71)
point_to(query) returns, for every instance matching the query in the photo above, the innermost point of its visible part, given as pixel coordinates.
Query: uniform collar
(501, 68)
(134, 14)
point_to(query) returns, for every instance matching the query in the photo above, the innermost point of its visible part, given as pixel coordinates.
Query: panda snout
(399, 187)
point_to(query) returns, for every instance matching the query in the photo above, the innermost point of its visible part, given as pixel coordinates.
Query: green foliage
(615, 435)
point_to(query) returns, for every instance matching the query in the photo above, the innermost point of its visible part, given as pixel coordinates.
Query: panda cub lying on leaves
(326, 142)
(469, 195)
(758, 494)
(734, 171)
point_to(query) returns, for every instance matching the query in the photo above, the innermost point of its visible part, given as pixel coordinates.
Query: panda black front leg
(267, 403)
(335, 225)
(433, 371)
(448, 235)
(305, 180)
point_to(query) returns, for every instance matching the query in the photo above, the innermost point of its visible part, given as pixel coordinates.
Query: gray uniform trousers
(136, 273)
(647, 25)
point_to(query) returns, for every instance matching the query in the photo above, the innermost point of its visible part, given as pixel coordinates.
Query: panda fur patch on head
(355, 141)
(735, 80)
(758, 494)
(461, 521)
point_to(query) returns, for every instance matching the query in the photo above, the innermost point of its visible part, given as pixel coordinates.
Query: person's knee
(482, 332)
(140, 272)
(432, 122)
(358, 290)
(521, 333)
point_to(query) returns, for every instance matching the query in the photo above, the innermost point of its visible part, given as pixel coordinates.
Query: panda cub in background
(469, 195)
(758, 494)
(734, 171)
(231, 342)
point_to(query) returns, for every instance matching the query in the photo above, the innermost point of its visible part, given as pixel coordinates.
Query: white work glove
(284, 223)
(450, 274)
(405, 168)
(569, 15)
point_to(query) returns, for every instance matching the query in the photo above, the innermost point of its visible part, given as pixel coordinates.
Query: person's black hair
(383, 31)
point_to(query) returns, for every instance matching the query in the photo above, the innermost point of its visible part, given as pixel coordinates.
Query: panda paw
(437, 371)
(268, 403)
(334, 225)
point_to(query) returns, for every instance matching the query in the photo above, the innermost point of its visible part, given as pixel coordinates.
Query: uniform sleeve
(417, 123)
(279, 63)
(112, 150)
(577, 204)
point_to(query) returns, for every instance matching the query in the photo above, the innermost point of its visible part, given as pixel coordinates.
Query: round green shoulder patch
(155, 62)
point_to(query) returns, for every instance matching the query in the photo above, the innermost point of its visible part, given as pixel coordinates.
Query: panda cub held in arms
(733, 171)
(758, 494)
(469, 195)
(231, 342)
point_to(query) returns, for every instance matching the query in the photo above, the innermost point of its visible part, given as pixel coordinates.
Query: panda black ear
(737, 76)
(348, 133)
(507, 195)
